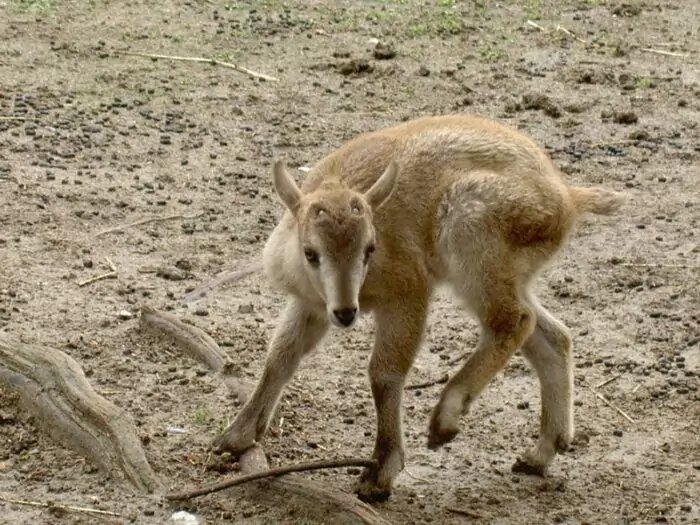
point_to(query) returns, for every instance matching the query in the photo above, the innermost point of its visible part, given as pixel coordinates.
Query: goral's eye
(368, 252)
(311, 256)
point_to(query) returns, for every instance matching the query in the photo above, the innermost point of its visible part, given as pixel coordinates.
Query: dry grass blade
(212, 61)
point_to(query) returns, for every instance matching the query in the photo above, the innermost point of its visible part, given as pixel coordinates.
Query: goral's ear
(381, 190)
(285, 186)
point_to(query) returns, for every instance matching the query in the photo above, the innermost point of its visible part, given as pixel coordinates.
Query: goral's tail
(595, 200)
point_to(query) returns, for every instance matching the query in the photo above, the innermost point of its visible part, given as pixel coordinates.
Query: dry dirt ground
(91, 139)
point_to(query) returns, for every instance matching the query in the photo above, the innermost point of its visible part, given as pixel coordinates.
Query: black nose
(345, 316)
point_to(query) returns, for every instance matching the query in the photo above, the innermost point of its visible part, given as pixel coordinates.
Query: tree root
(314, 497)
(53, 388)
(199, 345)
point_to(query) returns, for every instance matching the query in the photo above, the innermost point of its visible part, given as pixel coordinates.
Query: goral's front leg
(399, 332)
(298, 332)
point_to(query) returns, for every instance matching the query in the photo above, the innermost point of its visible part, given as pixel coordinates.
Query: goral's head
(336, 237)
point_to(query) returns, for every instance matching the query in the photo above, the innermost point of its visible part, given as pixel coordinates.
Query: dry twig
(664, 52)
(608, 381)
(610, 404)
(536, 26)
(569, 33)
(657, 265)
(426, 384)
(212, 61)
(464, 512)
(222, 278)
(111, 265)
(13, 117)
(70, 508)
(147, 221)
(108, 275)
(271, 473)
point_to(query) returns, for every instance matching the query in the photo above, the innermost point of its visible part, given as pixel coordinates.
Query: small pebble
(125, 314)
(246, 309)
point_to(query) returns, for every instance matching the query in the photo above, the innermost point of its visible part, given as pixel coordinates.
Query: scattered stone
(625, 117)
(355, 67)
(246, 309)
(202, 312)
(543, 102)
(626, 9)
(125, 315)
(523, 405)
(182, 517)
(423, 71)
(171, 273)
(384, 51)
(617, 432)
(639, 134)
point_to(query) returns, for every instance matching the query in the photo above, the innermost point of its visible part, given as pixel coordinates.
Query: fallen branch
(67, 508)
(222, 278)
(664, 52)
(271, 473)
(332, 505)
(53, 388)
(438, 381)
(198, 345)
(211, 61)
(108, 275)
(147, 221)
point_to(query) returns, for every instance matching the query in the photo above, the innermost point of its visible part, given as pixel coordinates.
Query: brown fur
(452, 199)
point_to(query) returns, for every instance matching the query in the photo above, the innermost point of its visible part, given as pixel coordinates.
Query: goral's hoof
(231, 441)
(522, 466)
(372, 493)
(369, 490)
(438, 435)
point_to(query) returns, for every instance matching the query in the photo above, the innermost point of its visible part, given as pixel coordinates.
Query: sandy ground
(97, 139)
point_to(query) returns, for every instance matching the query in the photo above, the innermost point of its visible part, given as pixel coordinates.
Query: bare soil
(91, 139)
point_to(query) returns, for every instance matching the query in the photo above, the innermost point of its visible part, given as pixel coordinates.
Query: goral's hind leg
(506, 323)
(549, 351)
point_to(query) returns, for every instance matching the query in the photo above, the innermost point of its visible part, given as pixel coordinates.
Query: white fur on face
(341, 284)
